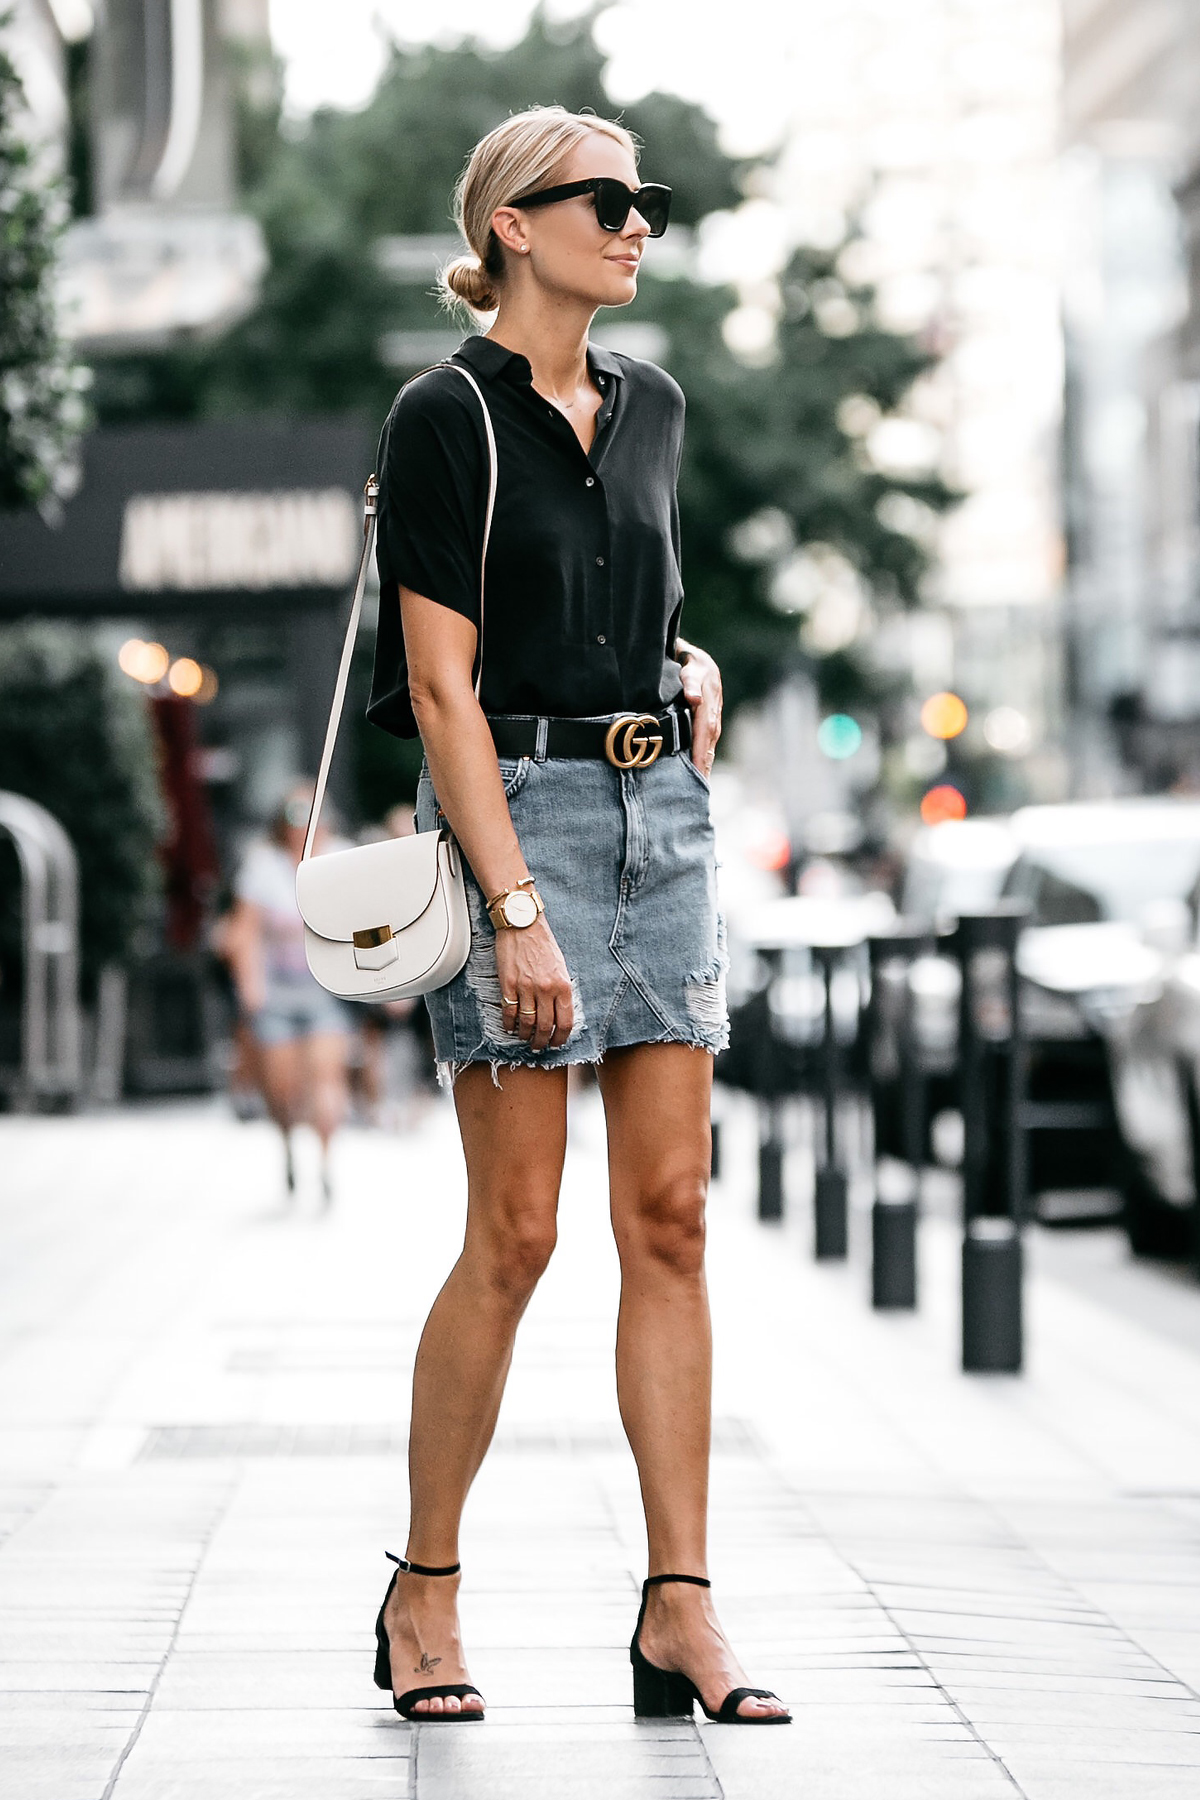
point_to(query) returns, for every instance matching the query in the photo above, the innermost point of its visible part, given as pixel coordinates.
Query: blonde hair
(519, 156)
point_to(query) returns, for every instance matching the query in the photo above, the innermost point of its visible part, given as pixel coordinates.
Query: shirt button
(599, 562)
(601, 639)
(590, 482)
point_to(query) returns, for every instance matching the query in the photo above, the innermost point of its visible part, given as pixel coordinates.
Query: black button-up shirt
(583, 588)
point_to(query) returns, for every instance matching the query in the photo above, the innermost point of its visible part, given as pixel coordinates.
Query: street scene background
(931, 289)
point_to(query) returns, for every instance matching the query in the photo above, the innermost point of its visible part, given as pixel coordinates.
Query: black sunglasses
(613, 201)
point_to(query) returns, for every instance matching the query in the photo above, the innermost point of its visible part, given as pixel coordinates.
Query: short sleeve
(431, 497)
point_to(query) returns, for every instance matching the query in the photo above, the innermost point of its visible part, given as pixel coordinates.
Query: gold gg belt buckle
(628, 746)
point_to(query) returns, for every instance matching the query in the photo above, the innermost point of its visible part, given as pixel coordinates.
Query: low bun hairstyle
(519, 156)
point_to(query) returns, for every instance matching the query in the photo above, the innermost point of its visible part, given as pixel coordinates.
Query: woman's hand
(702, 691)
(535, 988)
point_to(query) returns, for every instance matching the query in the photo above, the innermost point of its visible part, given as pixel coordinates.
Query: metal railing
(49, 1068)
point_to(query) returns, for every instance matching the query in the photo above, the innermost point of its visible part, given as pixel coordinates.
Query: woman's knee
(663, 1223)
(514, 1248)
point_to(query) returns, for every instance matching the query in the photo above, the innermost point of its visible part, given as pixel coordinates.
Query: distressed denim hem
(448, 1070)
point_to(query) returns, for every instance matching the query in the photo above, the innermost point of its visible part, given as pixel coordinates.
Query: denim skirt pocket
(514, 772)
(685, 757)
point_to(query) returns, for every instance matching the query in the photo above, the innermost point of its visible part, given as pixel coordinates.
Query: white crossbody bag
(387, 921)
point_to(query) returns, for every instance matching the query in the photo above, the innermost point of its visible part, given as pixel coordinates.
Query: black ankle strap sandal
(404, 1703)
(666, 1694)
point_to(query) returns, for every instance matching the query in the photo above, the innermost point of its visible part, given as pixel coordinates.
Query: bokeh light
(143, 662)
(185, 677)
(839, 736)
(772, 851)
(1008, 731)
(209, 686)
(944, 716)
(942, 803)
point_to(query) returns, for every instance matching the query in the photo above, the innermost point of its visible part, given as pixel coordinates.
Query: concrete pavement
(965, 1587)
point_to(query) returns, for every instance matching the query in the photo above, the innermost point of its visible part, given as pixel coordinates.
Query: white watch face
(520, 908)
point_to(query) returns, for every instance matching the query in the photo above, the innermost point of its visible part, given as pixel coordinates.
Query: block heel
(657, 1693)
(667, 1694)
(383, 1653)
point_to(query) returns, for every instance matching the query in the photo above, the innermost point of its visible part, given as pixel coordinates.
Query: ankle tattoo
(426, 1663)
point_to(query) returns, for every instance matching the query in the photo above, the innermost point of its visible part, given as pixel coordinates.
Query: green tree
(76, 739)
(315, 341)
(41, 388)
(784, 444)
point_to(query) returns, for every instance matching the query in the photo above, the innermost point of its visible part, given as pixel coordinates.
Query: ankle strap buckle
(416, 1568)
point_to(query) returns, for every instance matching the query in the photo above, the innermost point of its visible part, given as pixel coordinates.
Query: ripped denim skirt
(625, 861)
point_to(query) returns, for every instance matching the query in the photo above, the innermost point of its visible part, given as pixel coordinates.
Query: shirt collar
(489, 358)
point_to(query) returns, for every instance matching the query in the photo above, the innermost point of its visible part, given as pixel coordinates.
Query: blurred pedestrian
(243, 1076)
(396, 1074)
(583, 755)
(301, 1033)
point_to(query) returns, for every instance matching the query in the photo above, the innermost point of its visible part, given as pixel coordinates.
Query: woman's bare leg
(327, 1056)
(282, 1072)
(657, 1100)
(514, 1140)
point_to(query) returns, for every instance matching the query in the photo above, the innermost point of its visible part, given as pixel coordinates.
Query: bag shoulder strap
(370, 512)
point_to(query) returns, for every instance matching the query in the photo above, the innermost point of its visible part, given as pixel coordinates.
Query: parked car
(1110, 999)
(956, 867)
(1107, 885)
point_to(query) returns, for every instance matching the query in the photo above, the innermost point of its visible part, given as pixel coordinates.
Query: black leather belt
(633, 740)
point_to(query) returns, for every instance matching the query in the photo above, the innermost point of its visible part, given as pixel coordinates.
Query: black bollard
(770, 1177)
(897, 1086)
(831, 1235)
(992, 1335)
(715, 1158)
(894, 1252)
(770, 1085)
(830, 1242)
(913, 1097)
(991, 1085)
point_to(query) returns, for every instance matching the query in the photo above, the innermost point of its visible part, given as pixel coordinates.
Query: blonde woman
(576, 785)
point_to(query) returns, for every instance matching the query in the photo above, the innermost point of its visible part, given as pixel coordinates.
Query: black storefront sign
(206, 519)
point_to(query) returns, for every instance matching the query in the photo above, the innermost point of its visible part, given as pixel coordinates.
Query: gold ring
(522, 1014)
(507, 1001)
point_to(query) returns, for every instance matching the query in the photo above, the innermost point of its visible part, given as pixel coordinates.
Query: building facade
(1131, 310)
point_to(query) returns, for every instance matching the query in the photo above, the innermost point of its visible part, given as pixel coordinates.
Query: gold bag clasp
(375, 948)
(370, 940)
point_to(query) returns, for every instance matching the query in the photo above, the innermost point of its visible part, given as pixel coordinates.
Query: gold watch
(512, 909)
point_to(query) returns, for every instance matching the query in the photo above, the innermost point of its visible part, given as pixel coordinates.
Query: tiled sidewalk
(965, 1588)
